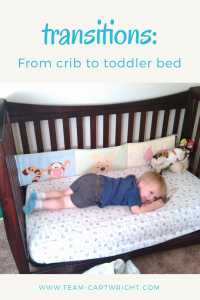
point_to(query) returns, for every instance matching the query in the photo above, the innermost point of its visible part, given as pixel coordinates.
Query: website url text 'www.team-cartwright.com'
(105, 287)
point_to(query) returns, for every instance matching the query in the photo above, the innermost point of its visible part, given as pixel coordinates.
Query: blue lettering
(74, 35)
(21, 62)
(46, 31)
(148, 38)
(87, 42)
(116, 37)
(131, 34)
(65, 38)
(58, 64)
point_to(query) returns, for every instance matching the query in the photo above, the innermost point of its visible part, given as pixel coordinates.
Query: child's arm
(133, 175)
(147, 208)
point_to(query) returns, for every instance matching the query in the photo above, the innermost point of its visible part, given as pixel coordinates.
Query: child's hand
(158, 204)
(147, 208)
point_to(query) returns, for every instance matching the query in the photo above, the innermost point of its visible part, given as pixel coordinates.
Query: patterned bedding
(80, 234)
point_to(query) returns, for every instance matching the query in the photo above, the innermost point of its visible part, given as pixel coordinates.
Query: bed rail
(11, 196)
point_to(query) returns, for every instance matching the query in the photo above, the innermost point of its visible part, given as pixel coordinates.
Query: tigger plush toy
(163, 160)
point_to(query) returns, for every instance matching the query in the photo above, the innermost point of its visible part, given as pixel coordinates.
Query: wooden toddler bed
(12, 196)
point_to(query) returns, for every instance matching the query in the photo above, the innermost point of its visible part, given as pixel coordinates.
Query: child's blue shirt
(120, 191)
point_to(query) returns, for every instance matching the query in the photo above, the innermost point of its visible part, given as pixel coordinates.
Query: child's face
(148, 192)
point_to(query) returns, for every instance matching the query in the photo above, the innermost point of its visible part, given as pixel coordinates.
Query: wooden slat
(118, 129)
(24, 138)
(38, 136)
(187, 129)
(154, 125)
(52, 132)
(176, 121)
(165, 123)
(142, 126)
(66, 133)
(93, 132)
(198, 169)
(105, 130)
(192, 120)
(80, 132)
(197, 138)
(188, 116)
(130, 128)
(11, 132)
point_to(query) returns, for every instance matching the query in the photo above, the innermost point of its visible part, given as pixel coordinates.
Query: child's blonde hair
(154, 177)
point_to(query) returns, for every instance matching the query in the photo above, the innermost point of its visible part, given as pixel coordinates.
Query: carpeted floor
(7, 264)
(179, 261)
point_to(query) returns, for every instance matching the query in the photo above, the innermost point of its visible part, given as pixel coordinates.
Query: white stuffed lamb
(163, 160)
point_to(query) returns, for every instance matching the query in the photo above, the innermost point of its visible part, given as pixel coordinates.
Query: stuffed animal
(180, 166)
(188, 145)
(163, 160)
(168, 196)
(183, 143)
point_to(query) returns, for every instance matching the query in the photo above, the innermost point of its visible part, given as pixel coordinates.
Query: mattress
(93, 232)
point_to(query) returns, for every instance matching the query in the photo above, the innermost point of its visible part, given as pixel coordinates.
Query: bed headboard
(22, 113)
(187, 102)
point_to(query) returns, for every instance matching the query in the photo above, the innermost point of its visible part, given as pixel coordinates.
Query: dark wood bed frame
(12, 196)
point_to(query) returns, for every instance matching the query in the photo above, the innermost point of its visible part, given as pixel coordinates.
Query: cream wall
(87, 93)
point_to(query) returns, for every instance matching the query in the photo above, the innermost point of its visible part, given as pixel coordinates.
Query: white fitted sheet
(93, 232)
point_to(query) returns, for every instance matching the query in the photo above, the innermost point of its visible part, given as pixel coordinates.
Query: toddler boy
(92, 189)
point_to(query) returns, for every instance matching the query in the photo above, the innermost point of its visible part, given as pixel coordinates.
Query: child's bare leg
(58, 194)
(52, 204)
(56, 204)
(56, 200)
(52, 194)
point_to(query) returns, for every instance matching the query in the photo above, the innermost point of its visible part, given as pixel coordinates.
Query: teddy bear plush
(163, 160)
